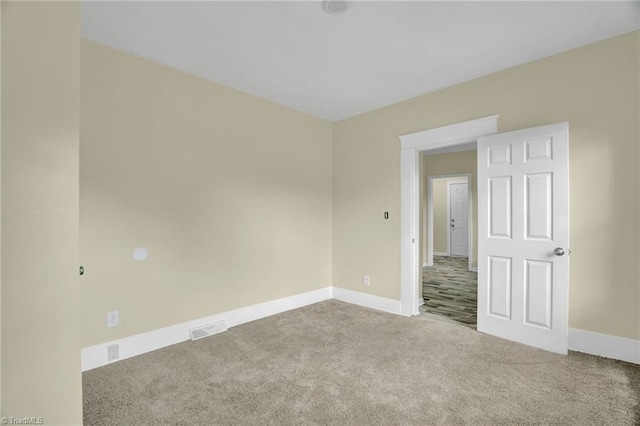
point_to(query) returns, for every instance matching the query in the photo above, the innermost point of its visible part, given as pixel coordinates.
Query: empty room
(320, 212)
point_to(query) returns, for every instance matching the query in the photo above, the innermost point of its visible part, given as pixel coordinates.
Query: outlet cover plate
(113, 352)
(113, 319)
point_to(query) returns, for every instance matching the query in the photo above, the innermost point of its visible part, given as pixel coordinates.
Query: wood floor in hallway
(450, 290)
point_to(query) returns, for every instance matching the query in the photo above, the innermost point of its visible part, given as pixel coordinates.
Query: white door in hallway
(523, 221)
(458, 218)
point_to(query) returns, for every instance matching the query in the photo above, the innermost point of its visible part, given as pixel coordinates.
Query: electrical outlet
(113, 319)
(113, 351)
(367, 280)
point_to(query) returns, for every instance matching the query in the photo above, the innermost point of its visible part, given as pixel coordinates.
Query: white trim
(439, 253)
(367, 300)
(454, 134)
(605, 345)
(473, 268)
(430, 222)
(470, 224)
(409, 230)
(470, 146)
(96, 356)
(411, 147)
(449, 217)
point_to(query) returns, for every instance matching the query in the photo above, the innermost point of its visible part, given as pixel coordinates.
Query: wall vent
(208, 330)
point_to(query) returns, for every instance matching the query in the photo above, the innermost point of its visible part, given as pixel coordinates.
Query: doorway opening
(449, 277)
(456, 137)
(449, 220)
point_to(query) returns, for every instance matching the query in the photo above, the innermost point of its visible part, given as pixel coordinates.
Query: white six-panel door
(459, 214)
(523, 236)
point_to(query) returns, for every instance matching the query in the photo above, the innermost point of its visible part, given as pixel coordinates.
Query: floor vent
(208, 330)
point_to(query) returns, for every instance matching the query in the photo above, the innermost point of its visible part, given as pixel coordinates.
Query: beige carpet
(340, 364)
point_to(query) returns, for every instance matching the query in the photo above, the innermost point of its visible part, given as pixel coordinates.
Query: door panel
(539, 208)
(538, 293)
(500, 286)
(500, 206)
(499, 155)
(523, 210)
(538, 149)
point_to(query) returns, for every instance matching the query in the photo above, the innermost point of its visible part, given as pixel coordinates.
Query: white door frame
(411, 146)
(464, 178)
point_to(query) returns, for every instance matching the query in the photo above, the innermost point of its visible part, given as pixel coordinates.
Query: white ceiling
(336, 66)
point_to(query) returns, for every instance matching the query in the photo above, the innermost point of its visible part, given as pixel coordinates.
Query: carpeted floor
(449, 289)
(334, 363)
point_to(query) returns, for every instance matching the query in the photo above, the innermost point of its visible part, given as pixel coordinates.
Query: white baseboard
(440, 253)
(604, 345)
(96, 356)
(367, 300)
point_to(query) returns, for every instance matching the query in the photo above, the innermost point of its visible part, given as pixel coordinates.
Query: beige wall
(231, 195)
(440, 222)
(1, 6)
(447, 164)
(595, 89)
(40, 294)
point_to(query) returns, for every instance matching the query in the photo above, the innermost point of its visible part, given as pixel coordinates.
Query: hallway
(450, 290)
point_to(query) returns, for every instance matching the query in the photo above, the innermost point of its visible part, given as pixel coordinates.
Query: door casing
(411, 147)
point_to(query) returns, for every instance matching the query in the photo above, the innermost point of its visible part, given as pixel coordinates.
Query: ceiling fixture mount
(335, 7)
